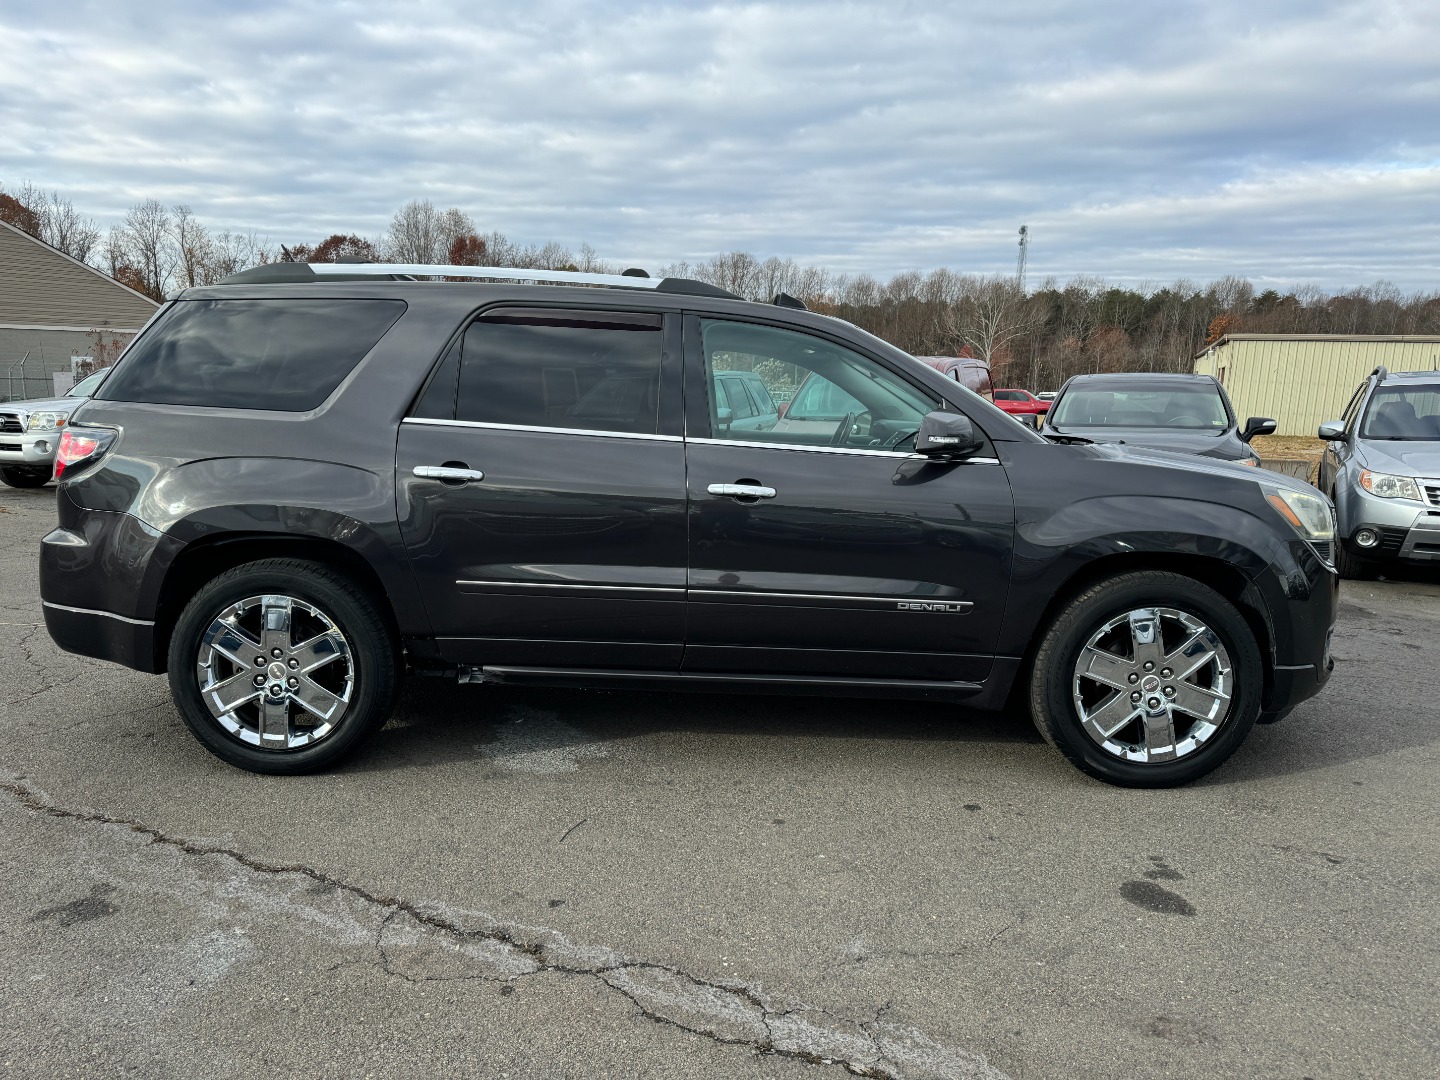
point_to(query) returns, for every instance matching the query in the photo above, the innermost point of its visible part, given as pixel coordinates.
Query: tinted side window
(286, 355)
(824, 385)
(597, 371)
(739, 399)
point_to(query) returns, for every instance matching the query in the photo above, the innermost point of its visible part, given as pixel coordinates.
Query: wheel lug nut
(1135, 696)
(1169, 691)
(1149, 665)
(259, 661)
(294, 663)
(1153, 703)
(292, 682)
(1134, 677)
(259, 680)
(276, 653)
(1165, 673)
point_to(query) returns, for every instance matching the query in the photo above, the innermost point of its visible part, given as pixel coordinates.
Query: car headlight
(1310, 515)
(47, 421)
(1390, 487)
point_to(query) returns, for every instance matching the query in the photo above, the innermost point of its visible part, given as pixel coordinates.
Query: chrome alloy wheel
(275, 672)
(1153, 685)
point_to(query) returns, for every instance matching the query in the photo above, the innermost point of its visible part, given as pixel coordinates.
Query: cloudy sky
(1142, 140)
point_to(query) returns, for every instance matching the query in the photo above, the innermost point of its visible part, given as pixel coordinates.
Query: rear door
(826, 547)
(541, 488)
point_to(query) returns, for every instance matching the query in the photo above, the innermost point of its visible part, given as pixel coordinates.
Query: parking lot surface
(527, 883)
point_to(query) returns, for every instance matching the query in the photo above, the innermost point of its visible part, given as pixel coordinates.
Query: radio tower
(1021, 257)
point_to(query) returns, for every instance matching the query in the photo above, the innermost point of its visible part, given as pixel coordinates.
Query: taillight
(79, 447)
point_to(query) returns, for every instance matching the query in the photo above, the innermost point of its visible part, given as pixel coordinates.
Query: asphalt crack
(419, 944)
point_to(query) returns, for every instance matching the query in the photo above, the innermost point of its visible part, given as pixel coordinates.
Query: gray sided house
(53, 307)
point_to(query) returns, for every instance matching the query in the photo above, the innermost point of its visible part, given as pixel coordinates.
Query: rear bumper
(103, 635)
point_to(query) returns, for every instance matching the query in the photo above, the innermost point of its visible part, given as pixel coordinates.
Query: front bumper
(33, 451)
(1407, 530)
(1303, 601)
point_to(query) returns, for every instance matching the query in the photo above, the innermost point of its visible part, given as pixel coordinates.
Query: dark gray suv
(303, 484)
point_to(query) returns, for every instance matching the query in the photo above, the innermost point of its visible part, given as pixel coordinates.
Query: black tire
(20, 478)
(1353, 567)
(372, 659)
(1053, 676)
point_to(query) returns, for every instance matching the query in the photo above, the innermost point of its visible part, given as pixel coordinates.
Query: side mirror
(1333, 431)
(1258, 425)
(724, 417)
(946, 435)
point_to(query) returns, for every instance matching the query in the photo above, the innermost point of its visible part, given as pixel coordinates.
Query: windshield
(820, 399)
(1408, 413)
(1182, 408)
(86, 386)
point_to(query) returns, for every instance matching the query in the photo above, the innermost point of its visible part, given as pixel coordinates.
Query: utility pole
(1022, 256)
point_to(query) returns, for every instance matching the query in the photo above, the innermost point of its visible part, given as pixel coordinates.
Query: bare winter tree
(193, 246)
(989, 314)
(453, 224)
(231, 252)
(65, 228)
(148, 227)
(415, 233)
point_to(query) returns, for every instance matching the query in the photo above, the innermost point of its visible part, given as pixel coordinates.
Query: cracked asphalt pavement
(518, 883)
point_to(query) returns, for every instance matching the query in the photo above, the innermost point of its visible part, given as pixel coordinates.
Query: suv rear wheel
(1148, 679)
(282, 666)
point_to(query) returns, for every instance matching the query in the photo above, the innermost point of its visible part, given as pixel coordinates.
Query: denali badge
(954, 607)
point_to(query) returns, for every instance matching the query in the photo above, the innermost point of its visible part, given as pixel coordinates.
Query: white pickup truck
(30, 432)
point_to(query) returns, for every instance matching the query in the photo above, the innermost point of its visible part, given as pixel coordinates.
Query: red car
(966, 370)
(1022, 405)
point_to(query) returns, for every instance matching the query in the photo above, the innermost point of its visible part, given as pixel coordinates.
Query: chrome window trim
(502, 273)
(94, 611)
(568, 585)
(855, 451)
(426, 421)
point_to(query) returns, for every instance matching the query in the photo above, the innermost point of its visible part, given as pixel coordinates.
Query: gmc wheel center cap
(277, 671)
(1149, 684)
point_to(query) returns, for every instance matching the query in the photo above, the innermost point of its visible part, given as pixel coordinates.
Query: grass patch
(1306, 446)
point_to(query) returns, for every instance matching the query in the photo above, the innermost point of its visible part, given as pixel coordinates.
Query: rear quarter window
(282, 355)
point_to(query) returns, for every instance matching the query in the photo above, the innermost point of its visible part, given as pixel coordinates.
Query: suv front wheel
(282, 666)
(1148, 679)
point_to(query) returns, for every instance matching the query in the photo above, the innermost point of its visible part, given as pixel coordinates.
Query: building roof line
(83, 265)
(1415, 339)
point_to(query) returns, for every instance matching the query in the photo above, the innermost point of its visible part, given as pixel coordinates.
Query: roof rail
(1382, 371)
(296, 273)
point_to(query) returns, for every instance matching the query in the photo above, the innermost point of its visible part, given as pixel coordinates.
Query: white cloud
(1290, 141)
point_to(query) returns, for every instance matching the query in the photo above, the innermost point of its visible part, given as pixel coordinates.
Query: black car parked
(1188, 414)
(302, 484)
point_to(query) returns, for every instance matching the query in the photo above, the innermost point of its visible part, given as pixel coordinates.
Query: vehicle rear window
(283, 355)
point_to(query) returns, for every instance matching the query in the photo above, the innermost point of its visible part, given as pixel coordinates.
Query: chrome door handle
(444, 472)
(742, 491)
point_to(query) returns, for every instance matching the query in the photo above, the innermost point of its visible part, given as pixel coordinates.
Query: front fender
(1052, 550)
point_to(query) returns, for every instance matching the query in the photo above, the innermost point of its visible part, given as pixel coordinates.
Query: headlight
(1309, 514)
(1390, 487)
(47, 421)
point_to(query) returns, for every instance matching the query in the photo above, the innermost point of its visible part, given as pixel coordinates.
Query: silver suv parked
(1382, 469)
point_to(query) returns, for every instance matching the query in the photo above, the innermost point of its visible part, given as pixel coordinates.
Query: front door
(823, 546)
(541, 489)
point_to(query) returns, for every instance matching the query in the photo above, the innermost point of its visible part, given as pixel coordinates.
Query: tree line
(1034, 338)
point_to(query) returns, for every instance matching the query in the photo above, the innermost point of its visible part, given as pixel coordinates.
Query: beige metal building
(1302, 380)
(53, 307)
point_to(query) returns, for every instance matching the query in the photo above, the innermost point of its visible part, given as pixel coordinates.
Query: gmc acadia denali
(301, 484)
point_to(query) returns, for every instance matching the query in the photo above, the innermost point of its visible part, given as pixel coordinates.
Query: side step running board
(719, 681)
